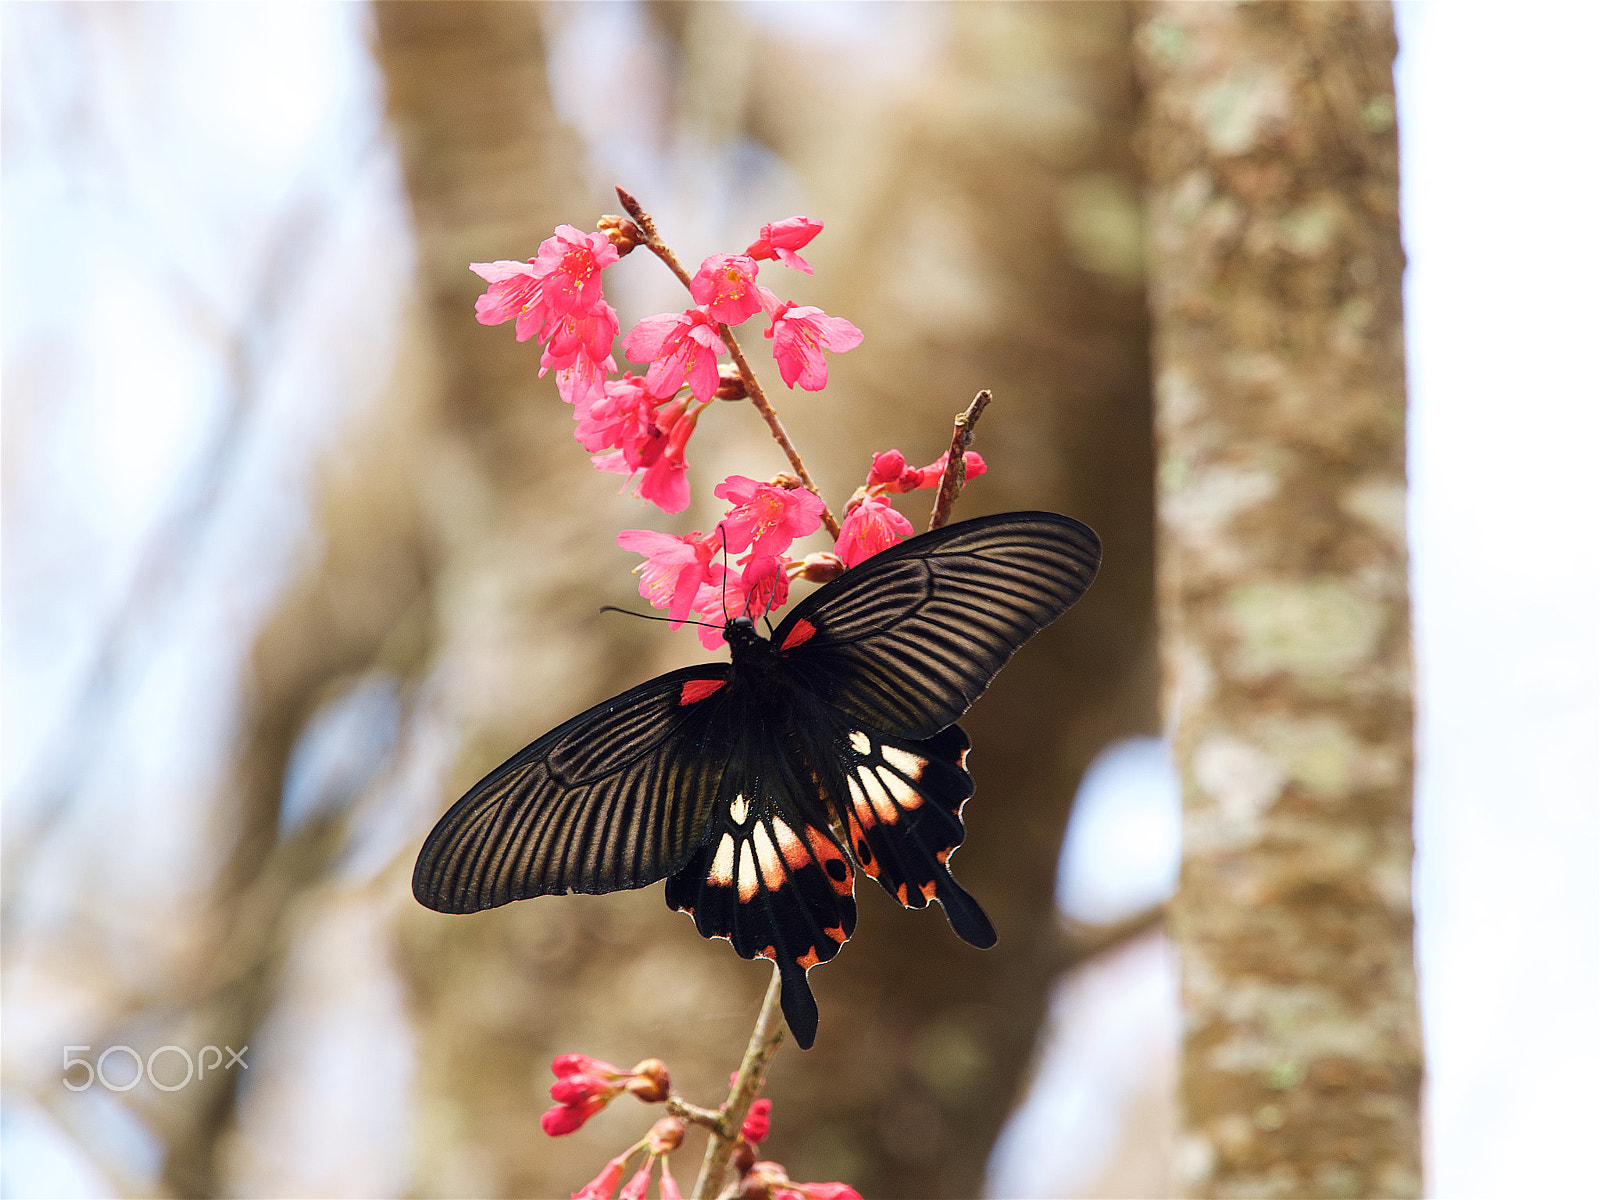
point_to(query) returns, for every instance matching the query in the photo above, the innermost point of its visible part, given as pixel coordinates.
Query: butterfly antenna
(723, 537)
(628, 612)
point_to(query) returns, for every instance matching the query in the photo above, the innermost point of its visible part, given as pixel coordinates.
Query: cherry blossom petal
(868, 528)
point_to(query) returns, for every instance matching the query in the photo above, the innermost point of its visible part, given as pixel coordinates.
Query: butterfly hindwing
(618, 797)
(910, 638)
(901, 810)
(770, 876)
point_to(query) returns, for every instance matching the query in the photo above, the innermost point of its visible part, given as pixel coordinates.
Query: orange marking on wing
(838, 934)
(900, 895)
(695, 690)
(942, 855)
(928, 890)
(770, 952)
(809, 959)
(858, 843)
(834, 864)
(802, 632)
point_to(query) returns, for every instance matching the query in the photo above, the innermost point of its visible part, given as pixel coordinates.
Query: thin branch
(764, 1041)
(1080, 941)
(769, 414)
(652, 241)
(955, 468)
(708, 1118)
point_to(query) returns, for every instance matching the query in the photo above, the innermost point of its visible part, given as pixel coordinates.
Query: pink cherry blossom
(800, 336)
(887, 468)
(781, 239)
(622, 416)
(674, 568)
(762, 586)
(603, 1184)
(564, 278)
(680, 348)
(580, 351)
(725, 285)
(635, 1188)
(769, 1178)
(765, 519)
(868, 528)
(891, 474)
(669, 1185)
(934, 471)
(657, 460)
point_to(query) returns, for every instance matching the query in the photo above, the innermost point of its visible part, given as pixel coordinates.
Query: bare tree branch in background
(1276, 267)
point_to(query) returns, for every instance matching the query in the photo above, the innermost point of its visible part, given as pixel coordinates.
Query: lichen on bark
(1275, 266)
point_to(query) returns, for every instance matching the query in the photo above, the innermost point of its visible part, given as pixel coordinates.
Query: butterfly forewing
(906, 641)
(616, 798)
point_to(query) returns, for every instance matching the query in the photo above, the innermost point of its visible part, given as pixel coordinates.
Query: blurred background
(294, 551)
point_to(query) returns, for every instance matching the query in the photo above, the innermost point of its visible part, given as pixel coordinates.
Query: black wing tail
(903, 815)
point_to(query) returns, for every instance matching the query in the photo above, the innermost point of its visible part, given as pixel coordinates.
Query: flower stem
(764, 1040)
(955, 467)
(652, 240)
(769, 414)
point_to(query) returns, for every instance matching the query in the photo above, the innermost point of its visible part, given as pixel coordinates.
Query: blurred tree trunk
(983, 228)
(1275, 284)
(986, 213)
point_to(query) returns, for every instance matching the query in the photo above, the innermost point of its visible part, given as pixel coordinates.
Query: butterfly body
(758, 787)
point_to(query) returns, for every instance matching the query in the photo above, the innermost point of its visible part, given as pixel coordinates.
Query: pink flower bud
(569, 1118)
(758, 1123)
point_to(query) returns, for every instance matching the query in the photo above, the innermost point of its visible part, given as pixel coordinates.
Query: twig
(652, 241)
(764, 1040)
(1081, 941)
(955, 468)
(759, 399)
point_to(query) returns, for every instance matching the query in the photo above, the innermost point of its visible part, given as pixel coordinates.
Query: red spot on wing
(802, 631)
(809, 959)
(696, 690)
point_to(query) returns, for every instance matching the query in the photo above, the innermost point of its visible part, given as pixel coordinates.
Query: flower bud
(821, 567)
(581, 1064)
(742, 1158)
(621, 233)
(730, 384)
(666, 1135)
(758, 1123)
(650, 1081)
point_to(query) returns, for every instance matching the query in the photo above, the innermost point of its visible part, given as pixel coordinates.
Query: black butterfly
(752, 786)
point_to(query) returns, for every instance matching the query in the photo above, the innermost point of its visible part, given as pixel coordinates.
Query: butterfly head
(741, 630)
